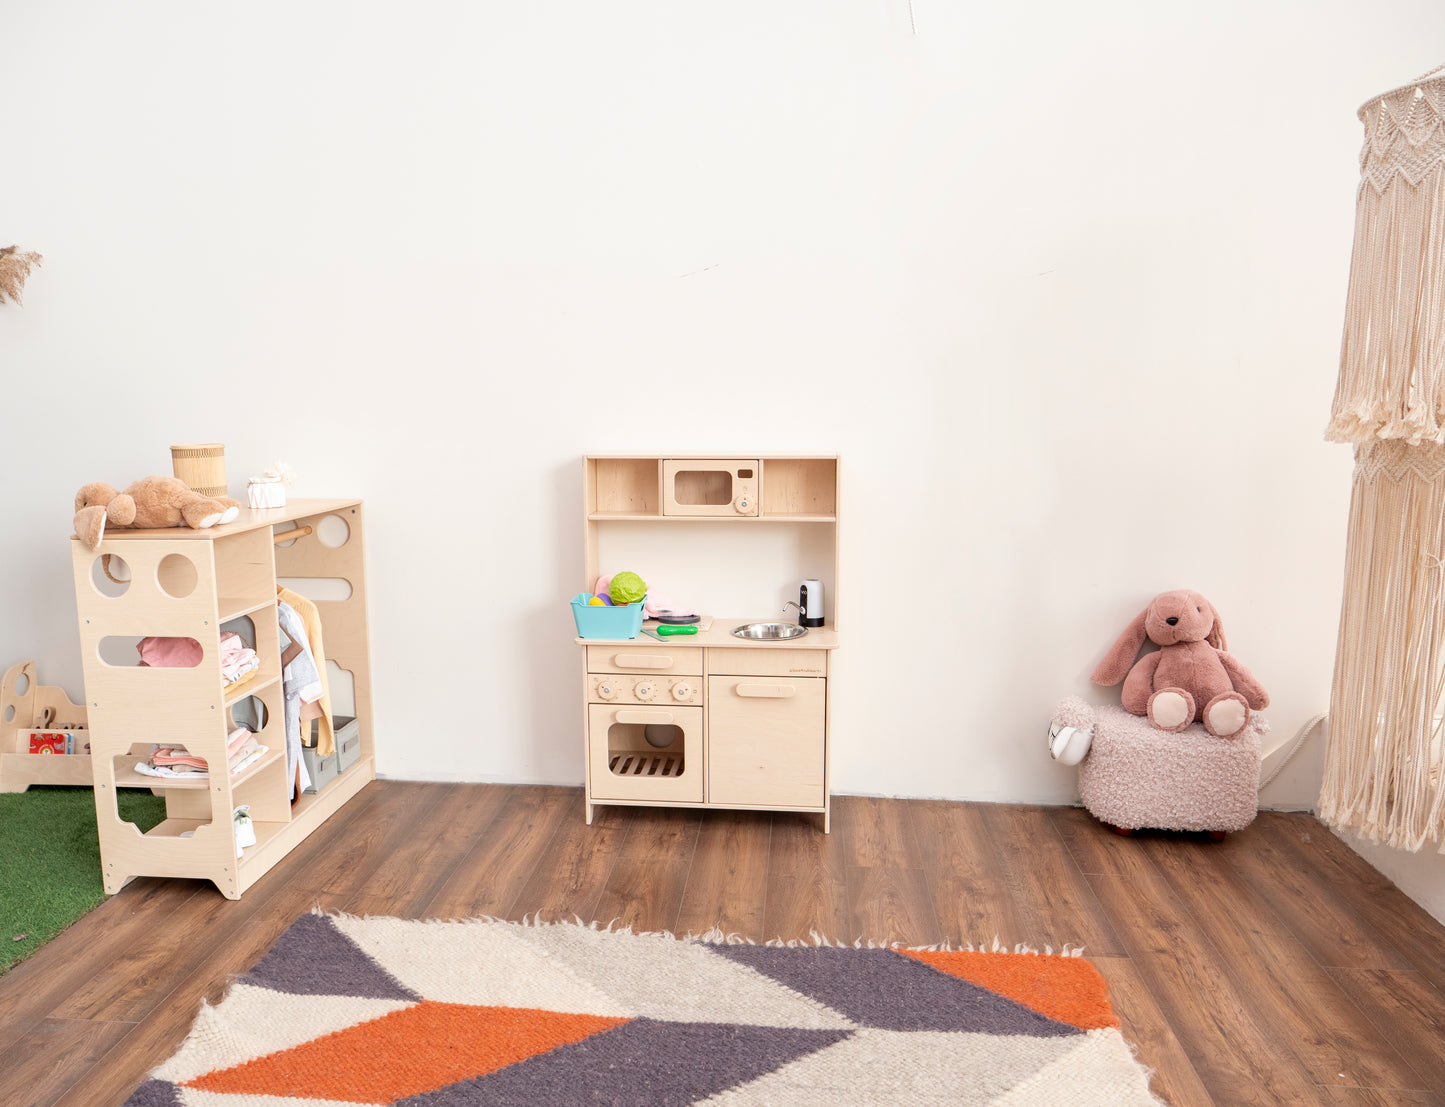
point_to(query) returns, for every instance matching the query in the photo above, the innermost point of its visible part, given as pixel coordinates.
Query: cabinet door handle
(766, 691)
(643, 661)
(644, 716)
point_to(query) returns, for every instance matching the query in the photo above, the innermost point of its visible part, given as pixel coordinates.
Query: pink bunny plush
(1190, 679)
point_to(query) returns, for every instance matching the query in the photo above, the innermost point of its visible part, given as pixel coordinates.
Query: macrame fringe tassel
(1392, 356)
(1383, 761)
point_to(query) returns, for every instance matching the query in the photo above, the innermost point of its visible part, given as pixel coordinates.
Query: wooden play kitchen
(195, 584)
(712, 720)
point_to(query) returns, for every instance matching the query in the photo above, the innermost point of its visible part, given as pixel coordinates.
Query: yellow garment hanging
(325, 737)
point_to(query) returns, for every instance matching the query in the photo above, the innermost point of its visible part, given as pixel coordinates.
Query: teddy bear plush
(149, 503)
(1190, 678)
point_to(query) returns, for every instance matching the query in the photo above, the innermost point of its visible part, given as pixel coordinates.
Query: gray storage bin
(347, 732)
(322, 768)
(348, 741)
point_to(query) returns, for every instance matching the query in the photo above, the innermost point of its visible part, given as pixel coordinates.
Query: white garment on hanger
(301, 683)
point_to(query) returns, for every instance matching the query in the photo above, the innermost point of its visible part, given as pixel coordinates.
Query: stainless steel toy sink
(769, 632)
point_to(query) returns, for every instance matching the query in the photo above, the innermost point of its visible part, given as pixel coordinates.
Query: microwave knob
(682, 690)
(606, 690)
(743, 504)
(644, 690)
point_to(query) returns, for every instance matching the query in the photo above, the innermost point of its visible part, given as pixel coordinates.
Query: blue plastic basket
(622, 621)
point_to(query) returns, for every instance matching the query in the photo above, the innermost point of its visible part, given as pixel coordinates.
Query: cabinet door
(765, 740)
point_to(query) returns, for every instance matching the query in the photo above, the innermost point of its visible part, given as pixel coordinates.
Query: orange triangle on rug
(407, 1052)
(1067, 989)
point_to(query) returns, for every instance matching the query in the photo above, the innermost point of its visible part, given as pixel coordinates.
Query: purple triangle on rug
(646, 1063)
(313, 958)
(888, 991)
(156, 1093)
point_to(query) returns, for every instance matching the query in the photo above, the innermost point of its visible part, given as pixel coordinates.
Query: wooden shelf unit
(27, 705)
(790, 489)
(190, 584)
(747, 722)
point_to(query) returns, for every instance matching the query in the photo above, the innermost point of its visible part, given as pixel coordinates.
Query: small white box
(263, 492)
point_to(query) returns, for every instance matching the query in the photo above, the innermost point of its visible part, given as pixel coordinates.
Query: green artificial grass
(50, 861)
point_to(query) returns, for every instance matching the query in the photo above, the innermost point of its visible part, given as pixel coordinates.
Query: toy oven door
(644, 753)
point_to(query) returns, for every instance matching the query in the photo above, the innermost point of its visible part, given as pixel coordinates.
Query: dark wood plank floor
(1274, 967)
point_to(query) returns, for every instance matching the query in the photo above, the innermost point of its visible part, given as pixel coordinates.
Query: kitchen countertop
(720, 636)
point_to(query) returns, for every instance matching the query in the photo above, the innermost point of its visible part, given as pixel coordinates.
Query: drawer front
(765, 740)
(640, 660)
(767, 661)
(623, 765)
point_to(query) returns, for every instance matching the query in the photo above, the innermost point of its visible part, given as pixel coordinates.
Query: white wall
(1421, 876)
(1069, 279)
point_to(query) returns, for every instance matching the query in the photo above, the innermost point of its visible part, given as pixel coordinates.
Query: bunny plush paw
(1226, 714)
(1171, 709)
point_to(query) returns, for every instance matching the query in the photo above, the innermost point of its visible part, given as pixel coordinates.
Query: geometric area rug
(345, 1011)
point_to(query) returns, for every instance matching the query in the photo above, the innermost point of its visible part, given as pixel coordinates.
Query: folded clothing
(242, 749)
(248, 756)
(169, 653)
(237, 658)
(175, 757)
(235, 740)
(147, 769)
(243, 754)
(179, 758)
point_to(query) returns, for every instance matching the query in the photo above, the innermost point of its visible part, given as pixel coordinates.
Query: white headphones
(1069, 744)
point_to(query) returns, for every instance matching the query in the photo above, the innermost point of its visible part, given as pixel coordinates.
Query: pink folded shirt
(176, 755)
(170, 653)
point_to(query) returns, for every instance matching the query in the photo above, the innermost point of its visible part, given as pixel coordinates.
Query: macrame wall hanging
(1383, 766)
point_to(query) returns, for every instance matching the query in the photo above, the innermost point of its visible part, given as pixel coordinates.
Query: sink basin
(769, 632)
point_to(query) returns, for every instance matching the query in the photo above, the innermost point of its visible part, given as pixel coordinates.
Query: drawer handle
(643, 661)
(766, 691)
(644, 716)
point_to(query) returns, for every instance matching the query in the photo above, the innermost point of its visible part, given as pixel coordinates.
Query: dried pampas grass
(15, 265)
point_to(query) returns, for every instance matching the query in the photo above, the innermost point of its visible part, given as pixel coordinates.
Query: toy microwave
(710, 487)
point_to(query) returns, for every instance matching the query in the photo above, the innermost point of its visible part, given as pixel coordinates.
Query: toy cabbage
(627, 588)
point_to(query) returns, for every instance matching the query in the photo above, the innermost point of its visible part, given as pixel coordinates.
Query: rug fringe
(717, 936)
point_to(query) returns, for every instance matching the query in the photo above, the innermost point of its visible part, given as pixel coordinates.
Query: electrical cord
(1294, 745)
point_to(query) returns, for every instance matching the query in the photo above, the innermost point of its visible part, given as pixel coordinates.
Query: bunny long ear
(1216, 636)
(1120, 658)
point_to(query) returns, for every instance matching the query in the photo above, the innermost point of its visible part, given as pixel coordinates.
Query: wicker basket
(202, 466)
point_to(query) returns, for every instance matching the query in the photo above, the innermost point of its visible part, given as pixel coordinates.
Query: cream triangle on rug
(345, 1011)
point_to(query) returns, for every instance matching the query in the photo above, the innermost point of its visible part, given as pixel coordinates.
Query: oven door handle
(767, 691)
(644, 715)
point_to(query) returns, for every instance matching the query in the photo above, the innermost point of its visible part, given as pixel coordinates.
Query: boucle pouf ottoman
(1137, 776)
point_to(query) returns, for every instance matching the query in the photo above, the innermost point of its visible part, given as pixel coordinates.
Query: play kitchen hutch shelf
(712, 720)
(193, 584)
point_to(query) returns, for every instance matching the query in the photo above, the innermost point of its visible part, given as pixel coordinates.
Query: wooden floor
(1275, 967)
